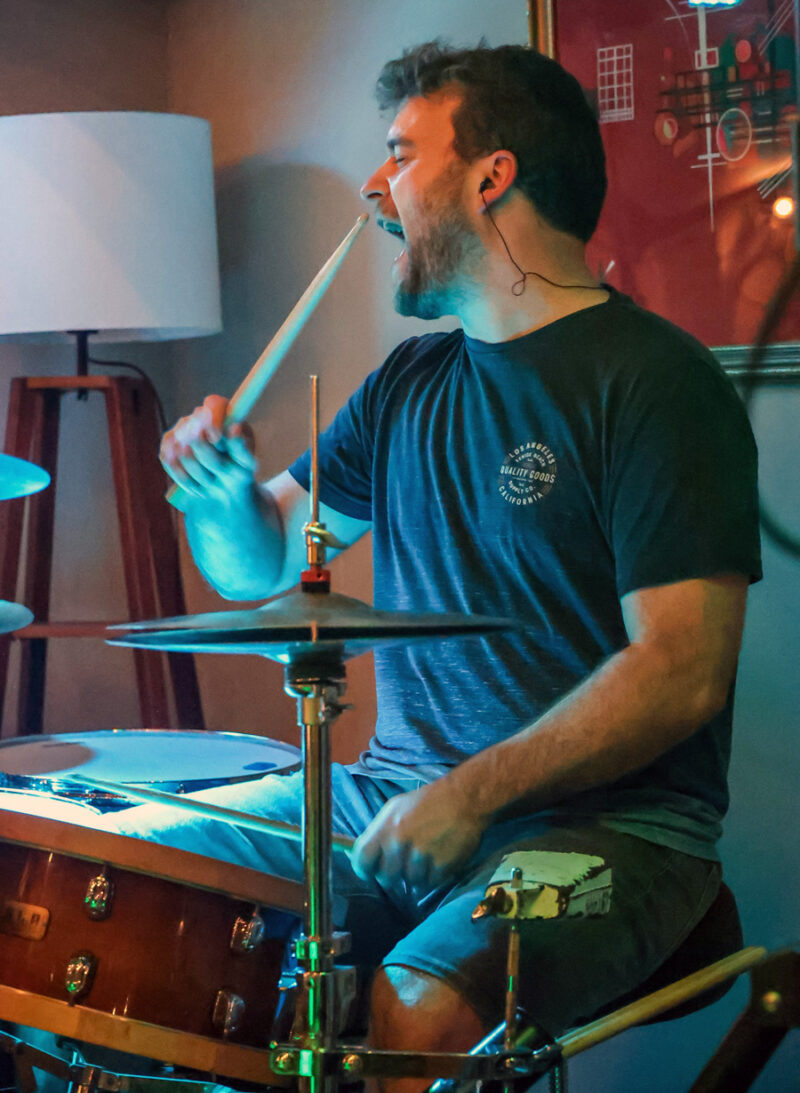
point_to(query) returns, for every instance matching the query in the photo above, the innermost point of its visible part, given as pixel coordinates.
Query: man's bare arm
(672, 678)
(253, 547)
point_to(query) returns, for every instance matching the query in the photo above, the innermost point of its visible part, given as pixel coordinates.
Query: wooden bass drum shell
(160, 957)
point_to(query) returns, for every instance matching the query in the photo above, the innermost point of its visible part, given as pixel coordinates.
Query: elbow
(702, 692)
(710, 698)
(235, 589)
(694, 689)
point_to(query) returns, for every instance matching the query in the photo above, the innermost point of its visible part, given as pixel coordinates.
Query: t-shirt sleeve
(682, 496)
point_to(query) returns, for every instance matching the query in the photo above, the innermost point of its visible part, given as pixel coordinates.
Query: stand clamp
(350, 1064)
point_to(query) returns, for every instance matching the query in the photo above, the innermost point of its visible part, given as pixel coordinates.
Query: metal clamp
(308, 948)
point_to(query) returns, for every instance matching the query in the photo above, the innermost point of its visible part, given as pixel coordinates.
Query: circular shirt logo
(527, 474)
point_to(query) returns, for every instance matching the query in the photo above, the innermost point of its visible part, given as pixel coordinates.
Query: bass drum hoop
(171, 1046)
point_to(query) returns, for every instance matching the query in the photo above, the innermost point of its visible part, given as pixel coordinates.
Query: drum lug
(79, 975)
(228, 1012)
(99, 896)
(248, 933)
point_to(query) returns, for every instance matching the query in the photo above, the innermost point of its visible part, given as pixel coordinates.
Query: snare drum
(138, 947)
(172, 760)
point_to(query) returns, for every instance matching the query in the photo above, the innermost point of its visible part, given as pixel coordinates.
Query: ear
(498, 172)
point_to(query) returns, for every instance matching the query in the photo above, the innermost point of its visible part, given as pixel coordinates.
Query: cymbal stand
(317, 695)
(318, 685)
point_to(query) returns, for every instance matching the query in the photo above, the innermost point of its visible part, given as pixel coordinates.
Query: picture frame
(698, 110)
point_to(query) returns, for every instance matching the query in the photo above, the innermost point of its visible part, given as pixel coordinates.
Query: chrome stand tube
(317, 706)
(316, 826)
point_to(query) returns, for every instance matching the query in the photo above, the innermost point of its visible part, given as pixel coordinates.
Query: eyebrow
(396, 142)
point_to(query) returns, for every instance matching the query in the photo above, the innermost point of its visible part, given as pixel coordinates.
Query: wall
(81, 55)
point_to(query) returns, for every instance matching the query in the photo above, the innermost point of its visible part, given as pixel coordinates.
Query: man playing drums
(564, 458)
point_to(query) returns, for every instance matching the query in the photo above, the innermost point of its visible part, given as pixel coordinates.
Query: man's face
(420, 195)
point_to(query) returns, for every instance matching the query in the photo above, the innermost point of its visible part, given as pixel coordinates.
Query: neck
(491, 312)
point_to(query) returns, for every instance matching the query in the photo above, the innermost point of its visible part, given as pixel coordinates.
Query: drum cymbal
(13, 616)
(301, 625)
(18, 477)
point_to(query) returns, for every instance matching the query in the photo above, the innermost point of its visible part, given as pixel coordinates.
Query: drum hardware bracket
(247, 933)
(99, 896)
(306, 948)
(79, 976)
(354, 1063)
(318, 533)
(340, 986)
(229, 1009)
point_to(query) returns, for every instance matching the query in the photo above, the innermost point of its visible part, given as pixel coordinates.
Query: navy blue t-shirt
(542, 479)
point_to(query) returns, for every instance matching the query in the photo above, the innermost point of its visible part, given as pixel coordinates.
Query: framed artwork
(697, 106)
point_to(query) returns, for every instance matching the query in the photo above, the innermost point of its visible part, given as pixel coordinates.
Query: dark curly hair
(515, 98)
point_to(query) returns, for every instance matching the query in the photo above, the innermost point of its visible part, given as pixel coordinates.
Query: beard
(444, 252)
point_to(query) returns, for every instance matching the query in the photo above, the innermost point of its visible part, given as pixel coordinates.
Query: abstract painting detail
(708, 96)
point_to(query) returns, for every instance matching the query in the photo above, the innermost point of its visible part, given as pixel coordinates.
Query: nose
(377, 185)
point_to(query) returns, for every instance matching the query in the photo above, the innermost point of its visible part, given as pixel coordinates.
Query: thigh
(276, 796)
(570, 967)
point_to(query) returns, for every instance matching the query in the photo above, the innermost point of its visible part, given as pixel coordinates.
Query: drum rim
(151, 859)
(139, 1037)
(188, 734)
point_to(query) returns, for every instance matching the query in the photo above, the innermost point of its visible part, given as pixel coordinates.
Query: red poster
(696, 106)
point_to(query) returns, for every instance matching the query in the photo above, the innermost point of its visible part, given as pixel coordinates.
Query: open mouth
(392, 228)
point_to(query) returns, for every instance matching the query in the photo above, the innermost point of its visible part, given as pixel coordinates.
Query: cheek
(397, 193)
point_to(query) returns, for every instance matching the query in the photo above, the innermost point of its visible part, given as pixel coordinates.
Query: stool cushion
(717, 935)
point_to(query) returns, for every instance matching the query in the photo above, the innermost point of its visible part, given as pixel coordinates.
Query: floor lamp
(107, 231)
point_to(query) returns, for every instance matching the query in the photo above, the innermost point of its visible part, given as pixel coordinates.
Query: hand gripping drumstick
(250, 389)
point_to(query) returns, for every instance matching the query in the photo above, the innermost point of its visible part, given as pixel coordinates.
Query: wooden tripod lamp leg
(162, 537)
(39, 560)
(137, 557)
(147, 537)
(19, 436)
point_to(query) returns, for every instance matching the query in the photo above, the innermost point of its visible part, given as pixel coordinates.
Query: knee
(414, 1011)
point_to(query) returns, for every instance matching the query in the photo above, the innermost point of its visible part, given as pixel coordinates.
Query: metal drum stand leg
(317, 695)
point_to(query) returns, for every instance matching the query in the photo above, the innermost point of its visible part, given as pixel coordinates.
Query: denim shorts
(570, 967)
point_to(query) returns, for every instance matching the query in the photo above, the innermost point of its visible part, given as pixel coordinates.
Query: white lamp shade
(107, 223)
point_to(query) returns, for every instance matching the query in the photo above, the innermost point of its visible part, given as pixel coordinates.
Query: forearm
(238, 543)
(627, 713)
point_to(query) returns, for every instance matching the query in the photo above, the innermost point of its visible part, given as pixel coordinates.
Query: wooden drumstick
(204, 810)
(250, 389)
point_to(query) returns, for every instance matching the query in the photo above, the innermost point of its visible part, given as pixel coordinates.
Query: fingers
(366, 855)
(205, 457)
(393, 863)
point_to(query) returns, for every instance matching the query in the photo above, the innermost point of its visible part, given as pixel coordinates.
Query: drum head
(174, 760)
